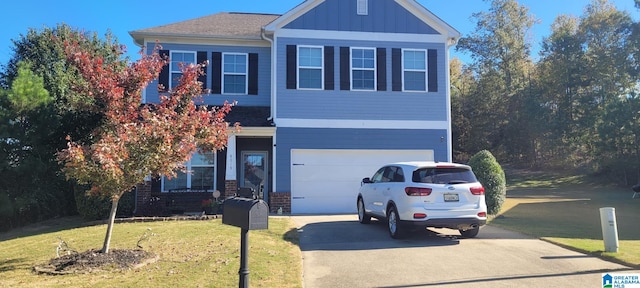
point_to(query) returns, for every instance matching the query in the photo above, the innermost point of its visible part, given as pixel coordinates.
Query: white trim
(257, 131)
(363, 7)
(425, 71)
(360, 124)
(230, 167)
(245, 74)
(374, 69)
(298, 67)
(150, 40)
(361, 36)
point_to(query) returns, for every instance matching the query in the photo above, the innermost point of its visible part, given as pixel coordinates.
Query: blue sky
(122, 16)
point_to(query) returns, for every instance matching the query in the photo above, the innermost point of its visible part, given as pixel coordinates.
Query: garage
(327, 181)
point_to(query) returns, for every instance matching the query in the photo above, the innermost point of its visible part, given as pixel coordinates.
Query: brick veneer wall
(280, 199)
(143, 199)
(230, 188)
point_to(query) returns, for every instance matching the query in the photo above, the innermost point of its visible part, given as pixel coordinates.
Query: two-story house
(326, 93)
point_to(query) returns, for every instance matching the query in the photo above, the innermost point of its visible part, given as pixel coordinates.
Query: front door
(255, 171)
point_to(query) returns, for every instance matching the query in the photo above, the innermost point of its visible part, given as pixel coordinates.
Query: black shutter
(163, 78)
(345, 73)
(216, 73)
(432, 70)
(202, 58)
(381, 59)
(329, 81)
(253, 74)
(396, 69)
(292, 64)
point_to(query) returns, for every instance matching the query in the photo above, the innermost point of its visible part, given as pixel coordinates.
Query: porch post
(231, 178)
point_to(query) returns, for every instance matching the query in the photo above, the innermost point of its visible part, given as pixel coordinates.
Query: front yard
(565, 210)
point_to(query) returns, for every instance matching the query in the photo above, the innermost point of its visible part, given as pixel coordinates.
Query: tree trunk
(112, 217)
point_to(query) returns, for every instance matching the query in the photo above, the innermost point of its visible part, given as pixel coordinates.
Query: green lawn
(565, 210)
(192, 254)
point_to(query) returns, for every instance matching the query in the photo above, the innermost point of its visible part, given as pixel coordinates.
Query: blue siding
(385, 16)
(374, 105)
(383, 139)
(264, 75)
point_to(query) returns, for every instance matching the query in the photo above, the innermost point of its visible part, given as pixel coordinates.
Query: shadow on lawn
(47, 226)
(570, 212)
(11, 264)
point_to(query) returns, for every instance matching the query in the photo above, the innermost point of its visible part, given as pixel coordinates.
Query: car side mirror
(366, 180)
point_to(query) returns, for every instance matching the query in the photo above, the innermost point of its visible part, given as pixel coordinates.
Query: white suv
(424, 194)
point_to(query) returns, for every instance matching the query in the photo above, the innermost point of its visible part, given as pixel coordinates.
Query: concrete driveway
(338, 251)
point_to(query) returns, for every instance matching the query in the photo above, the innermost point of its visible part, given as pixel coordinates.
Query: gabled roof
(411, 5)
(223, 25)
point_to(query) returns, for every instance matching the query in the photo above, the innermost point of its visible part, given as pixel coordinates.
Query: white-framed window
(200, 174)
(363, 69)
(414, 70)
(310, 67)
(363, 7)
(234, 73)
(177, 57)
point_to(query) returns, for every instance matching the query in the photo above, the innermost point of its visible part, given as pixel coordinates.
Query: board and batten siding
(263, 97)
(360, 105)
(356, 139)
(340, 15)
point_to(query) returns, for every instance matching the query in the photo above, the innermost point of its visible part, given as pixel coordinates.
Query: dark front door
(255, 171)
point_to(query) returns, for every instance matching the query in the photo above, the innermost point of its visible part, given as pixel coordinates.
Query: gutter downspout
(450, 43)
(273, 108)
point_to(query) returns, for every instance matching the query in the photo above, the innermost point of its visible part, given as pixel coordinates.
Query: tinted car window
(378, 176)
(443, 176)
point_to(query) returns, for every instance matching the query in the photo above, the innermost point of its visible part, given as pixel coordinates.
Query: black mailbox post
(248, 214)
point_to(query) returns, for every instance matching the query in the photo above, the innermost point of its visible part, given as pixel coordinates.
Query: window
(414, 70)
(310, 68)
(200, 174)
(363, 69)
(178, 57)
(235, 77)
(443, 176)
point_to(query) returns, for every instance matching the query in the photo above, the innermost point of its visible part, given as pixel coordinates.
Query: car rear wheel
(362, 215)
(396, 231)
(471, 233)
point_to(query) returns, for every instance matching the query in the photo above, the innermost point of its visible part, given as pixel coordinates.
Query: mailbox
(248, 214)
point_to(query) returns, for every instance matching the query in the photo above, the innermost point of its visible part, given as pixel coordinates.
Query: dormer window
(363, 7)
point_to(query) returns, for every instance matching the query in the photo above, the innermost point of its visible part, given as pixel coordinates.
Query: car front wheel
(363, 218)
(396, 231)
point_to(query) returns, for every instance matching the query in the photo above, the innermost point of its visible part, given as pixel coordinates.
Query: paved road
(339, 252)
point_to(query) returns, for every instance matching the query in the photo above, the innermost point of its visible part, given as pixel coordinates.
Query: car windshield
(435, 175)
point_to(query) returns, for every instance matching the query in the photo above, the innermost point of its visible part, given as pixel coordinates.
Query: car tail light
(419, 215)
(479, 190)
(482, 214)
(415, 191)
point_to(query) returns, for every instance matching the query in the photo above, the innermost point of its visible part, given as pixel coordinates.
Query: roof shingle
(223, 25)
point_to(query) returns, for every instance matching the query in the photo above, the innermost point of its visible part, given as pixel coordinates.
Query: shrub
(491, 175)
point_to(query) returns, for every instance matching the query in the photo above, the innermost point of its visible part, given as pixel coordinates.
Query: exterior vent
(363, 7)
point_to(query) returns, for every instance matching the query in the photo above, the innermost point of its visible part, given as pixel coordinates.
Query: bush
(491, 175)
(92, 207)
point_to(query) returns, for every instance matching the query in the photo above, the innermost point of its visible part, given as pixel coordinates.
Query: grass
(565, 210)
(192, 254)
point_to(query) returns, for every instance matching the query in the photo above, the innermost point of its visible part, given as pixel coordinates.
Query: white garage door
(327, 181)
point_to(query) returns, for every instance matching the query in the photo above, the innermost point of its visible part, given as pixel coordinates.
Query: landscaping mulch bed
(96, 261)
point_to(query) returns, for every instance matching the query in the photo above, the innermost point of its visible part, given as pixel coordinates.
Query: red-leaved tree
(135, 140)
